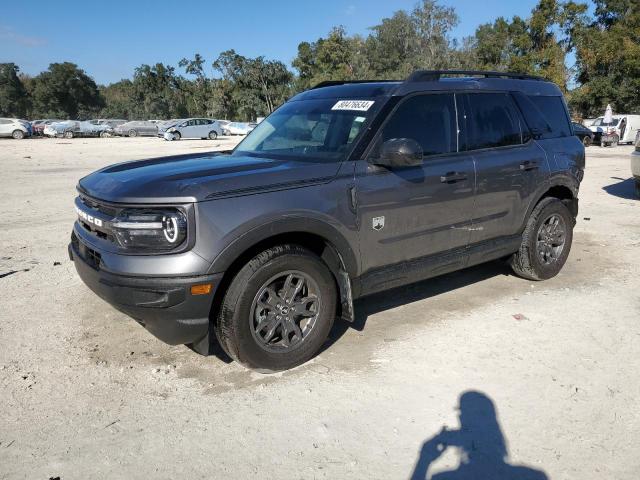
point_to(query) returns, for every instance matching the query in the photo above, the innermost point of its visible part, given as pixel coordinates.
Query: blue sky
(109, 41)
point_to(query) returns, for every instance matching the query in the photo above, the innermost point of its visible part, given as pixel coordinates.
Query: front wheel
(546, 241)
(104, 134)
(18, 134)
(586, 141)
(278, 310)
(68, 134)
(133, 133)
(638, 188)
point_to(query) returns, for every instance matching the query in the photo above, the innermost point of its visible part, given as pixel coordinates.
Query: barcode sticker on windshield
(359, 105)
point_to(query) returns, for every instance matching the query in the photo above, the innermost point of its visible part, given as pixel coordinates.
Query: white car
(15, 128)
(623, 128)
(194, 128)
(238, 128)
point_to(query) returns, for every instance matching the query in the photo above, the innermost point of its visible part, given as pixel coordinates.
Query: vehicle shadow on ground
(625, 188)
(396, 297)
(480, 442)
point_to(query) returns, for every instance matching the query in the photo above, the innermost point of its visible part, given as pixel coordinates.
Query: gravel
(87, 393)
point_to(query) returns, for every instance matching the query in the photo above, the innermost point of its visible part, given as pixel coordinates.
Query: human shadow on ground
(482, 446)
(623, 189)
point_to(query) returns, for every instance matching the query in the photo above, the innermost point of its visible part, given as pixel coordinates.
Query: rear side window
(430, 120)
(491, 121)
(553, 110)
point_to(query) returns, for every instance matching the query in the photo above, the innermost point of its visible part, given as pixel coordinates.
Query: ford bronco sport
(347, 189)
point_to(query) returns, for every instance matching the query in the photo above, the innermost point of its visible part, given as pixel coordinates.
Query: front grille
(100, 210)
(100, 207)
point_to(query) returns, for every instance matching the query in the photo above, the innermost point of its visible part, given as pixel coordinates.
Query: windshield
(310, 129)
(600, 121)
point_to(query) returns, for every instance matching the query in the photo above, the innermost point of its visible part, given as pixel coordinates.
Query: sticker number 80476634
(358, 105)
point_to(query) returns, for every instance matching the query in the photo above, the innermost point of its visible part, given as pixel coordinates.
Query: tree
(118, 98)
(156, 92)
(256, 86)
(197, 91)
(608, 59)
(65, 91)
(14, 99)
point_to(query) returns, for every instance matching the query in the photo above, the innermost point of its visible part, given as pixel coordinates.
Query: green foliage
(251, 87)
(64, 91)
(13, 95)
(608, 59)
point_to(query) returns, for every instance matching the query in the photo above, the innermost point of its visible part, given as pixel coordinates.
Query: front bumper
(163, 305)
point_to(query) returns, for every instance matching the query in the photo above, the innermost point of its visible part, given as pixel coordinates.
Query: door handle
(529, 165)
(453, 177)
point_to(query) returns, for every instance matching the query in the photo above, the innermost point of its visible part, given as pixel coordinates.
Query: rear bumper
(164, 306)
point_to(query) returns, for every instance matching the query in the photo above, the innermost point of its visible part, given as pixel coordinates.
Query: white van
(624, 127)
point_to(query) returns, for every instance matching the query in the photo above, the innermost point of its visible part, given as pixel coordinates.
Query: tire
(637, 183)
(213, 135)
(244, 309)
(133, 133)
(177, 136)
(17, 134)
(534, 260)
(586, 141)
(615, 142)
(104, 134)
(68, 134)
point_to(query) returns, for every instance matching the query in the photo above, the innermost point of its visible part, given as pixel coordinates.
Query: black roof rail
(435, 75)
(331, 83)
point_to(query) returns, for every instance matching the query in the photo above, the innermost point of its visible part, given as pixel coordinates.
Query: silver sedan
(137, 128)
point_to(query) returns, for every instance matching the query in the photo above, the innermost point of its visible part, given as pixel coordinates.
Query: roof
(433, 80)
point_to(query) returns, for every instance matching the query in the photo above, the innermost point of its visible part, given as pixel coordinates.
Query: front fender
(283, 225)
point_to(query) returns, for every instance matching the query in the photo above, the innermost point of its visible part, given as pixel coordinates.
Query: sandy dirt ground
(87, 393)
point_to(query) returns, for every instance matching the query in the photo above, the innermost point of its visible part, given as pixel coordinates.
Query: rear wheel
(278, 310)
(18, 134)
(213, 135)
(133, 133)
(586, 141)
(546, 241)
(68, 134)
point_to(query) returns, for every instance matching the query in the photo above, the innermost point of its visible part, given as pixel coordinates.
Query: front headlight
(161, 229)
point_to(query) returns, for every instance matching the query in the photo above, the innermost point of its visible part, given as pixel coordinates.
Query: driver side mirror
(399, 153)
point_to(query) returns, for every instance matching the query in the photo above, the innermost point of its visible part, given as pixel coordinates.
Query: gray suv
(348, 189)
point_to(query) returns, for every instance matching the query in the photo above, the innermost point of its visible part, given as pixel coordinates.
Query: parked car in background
(15, 128)
(635, 165)
(622, 129)
(223, 123)
(583, 133)
(73, 128)
(167, 124)
(194, 128)
(137, 128)
(37, 126)
(112, 122)
(237, 128)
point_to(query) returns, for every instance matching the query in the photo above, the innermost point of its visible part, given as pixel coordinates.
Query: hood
(196, 178)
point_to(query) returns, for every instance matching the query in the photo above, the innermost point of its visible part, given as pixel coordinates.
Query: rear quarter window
(554, 112)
